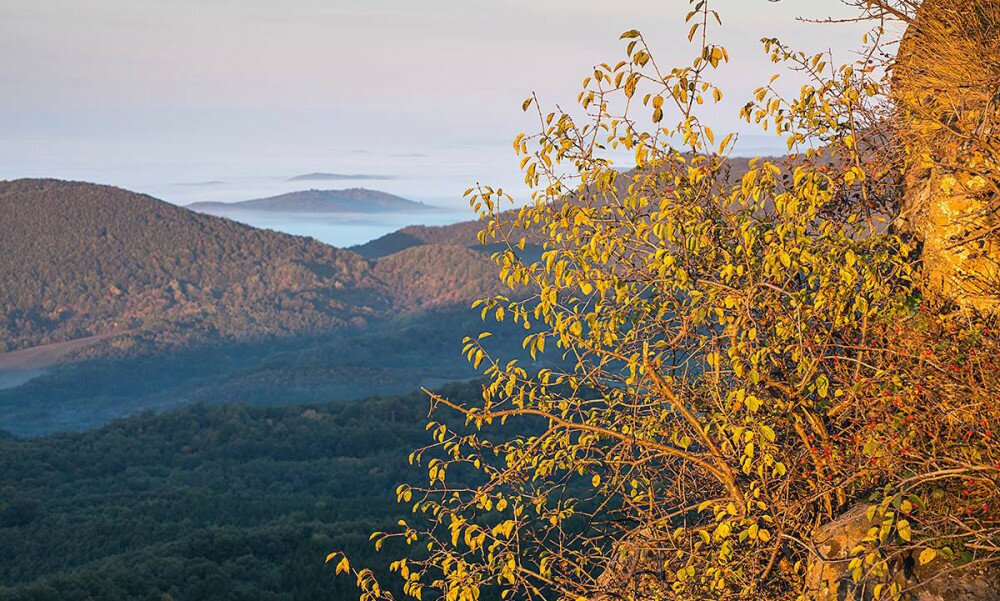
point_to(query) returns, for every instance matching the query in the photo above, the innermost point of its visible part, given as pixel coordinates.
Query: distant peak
(319, 176)
(347, 200)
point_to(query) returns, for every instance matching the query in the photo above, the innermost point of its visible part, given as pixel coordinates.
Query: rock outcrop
(836, 543)
(947, 86)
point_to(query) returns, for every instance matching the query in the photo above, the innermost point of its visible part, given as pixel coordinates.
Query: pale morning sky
(156, 95)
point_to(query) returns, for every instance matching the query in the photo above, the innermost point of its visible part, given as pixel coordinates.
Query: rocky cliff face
(947, 86)
(828, 576)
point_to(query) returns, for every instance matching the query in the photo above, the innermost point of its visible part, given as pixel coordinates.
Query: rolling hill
(460, 234)
(81, 259)
(177, 307)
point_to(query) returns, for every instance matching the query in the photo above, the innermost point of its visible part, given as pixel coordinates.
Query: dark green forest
(231, 502)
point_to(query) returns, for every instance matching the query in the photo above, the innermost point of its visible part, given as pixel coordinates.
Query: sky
(225, 99)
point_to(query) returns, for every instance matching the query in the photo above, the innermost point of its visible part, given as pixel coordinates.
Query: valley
(191, 408)
(226, 503)
(140, 305)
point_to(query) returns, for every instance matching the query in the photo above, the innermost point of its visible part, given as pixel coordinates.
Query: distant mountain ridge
(350, 200)
(323, 176)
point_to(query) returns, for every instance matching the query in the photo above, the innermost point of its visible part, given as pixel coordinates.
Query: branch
(722, 475)
(886, 8)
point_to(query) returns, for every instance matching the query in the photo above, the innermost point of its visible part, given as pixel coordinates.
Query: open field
(17, 367)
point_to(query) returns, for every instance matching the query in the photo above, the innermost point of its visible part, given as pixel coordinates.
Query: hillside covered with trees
(227, 503)
(189, 307)
(81, 259)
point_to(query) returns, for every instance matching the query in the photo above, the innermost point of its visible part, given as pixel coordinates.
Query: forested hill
(459, 234)
(225, 503)
(162, 307)
(79, 259)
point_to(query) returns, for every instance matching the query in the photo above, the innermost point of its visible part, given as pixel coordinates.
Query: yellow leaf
(822, 386)
(903, 527)
(725, 141)
(343, 566)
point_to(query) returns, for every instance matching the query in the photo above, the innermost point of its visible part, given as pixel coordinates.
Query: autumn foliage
(751, 357)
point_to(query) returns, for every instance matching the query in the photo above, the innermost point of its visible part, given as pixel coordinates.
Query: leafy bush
(751, 359)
